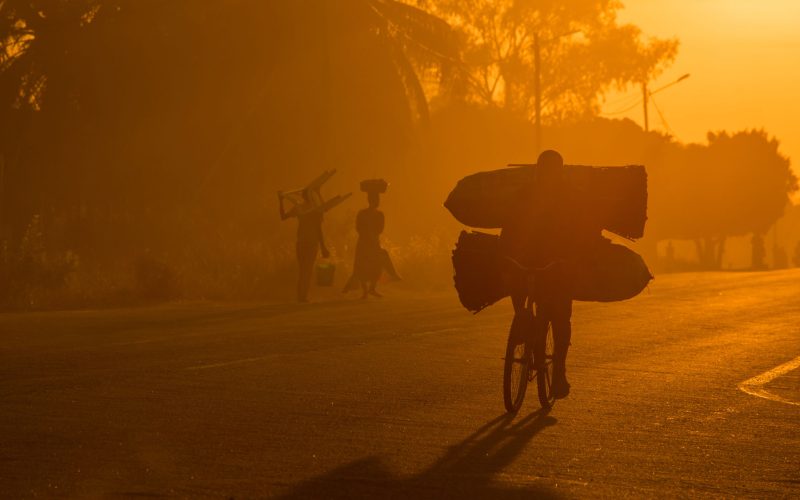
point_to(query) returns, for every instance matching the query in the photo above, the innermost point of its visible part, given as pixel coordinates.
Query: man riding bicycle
(546, 231)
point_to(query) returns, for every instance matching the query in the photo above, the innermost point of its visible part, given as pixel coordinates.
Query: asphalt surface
(401, 398)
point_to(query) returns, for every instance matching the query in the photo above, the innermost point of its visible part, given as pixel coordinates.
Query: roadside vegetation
(142, 142)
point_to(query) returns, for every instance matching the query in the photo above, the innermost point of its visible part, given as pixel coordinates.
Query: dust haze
(143, 143)
(257, 221)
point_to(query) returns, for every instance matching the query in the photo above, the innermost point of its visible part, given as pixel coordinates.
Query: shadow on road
(466, 470)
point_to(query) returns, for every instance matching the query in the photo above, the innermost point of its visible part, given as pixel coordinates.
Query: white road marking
(755, 386)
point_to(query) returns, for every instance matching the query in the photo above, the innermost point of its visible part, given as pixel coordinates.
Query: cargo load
(616, 196)
(377, 186)
(610, 273)
(478, 274)
(326, 271)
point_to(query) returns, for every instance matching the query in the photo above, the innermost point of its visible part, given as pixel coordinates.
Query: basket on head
(374, 186)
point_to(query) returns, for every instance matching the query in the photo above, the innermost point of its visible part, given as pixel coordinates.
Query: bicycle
(530, 348)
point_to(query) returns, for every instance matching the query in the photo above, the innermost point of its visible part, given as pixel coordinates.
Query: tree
(577, 48)
(757, 181)
(145, 117)
(735, 185)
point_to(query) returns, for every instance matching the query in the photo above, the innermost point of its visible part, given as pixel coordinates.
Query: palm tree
(132, 100)
(409, 32)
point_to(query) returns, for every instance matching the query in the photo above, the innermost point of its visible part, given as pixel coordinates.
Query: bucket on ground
(325, 273)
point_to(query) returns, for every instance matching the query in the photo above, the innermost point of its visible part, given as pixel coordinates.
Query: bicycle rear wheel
(543, 363)
(516, 370)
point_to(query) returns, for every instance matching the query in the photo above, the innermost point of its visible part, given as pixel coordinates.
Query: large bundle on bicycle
(616, 196)
(610, 273)
(478, 276)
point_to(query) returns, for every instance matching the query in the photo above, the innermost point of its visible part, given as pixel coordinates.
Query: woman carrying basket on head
(370, 259)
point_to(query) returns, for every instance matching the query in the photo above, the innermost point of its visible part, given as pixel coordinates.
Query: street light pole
(646, 96)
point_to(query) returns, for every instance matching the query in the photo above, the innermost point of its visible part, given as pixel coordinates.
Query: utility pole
(537, 63)
(537, 83)
(645, 98)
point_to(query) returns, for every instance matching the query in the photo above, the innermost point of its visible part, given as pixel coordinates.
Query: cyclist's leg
(518, 301)
(562, 334)
(557, 305)
(562, 330)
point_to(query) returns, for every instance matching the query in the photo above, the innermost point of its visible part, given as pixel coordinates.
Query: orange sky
(744, 60)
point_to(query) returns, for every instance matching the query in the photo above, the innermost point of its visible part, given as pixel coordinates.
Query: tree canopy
(739, 183)
(153, 113)
(584, 53)
(136, 126)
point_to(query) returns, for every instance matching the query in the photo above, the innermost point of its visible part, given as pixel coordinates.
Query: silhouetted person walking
(370, 259)
(796, 257)
(544, 229)
(759, 253)
(309, 239)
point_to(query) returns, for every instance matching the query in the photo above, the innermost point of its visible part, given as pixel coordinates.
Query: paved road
(401, 398)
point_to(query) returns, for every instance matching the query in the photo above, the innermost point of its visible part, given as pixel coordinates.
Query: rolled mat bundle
(617, 196)
(477, 270)
(609, 273)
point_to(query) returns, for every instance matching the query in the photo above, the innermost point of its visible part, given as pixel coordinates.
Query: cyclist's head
(550, 160)
(550, 164)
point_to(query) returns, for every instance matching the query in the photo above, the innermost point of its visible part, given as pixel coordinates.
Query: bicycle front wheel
(516, 370)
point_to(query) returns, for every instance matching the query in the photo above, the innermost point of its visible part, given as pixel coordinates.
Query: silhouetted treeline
(121, 111)
(737, 184)
(142, 141)
(164, 127)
